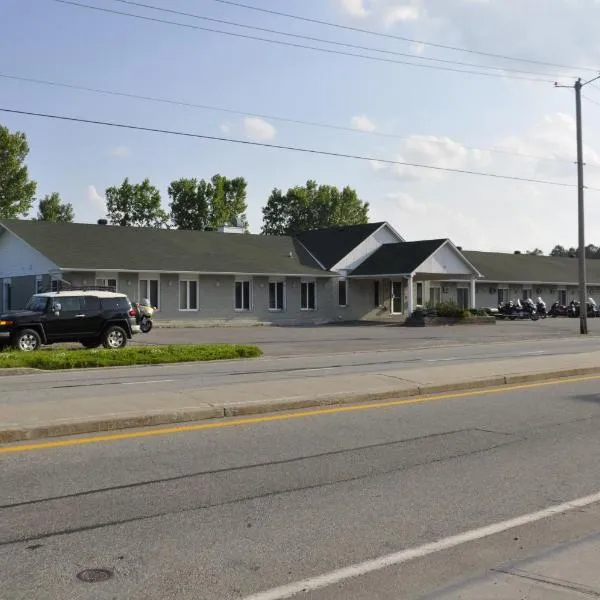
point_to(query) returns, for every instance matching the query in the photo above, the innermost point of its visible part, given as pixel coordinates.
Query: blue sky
(437, 116)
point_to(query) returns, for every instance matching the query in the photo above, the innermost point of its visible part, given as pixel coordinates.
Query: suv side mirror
(56, 308)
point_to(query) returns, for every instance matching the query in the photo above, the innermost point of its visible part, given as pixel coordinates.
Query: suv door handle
(79, 316)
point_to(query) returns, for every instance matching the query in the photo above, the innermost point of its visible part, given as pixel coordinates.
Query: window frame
(343, 284)
(308, 282)
(148, 278)
(276, 283)
(250, 298)
(377, 293)
(419, 286)
(188, 281)
(104, 282)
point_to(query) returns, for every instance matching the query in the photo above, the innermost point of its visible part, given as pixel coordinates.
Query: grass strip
(52, 359)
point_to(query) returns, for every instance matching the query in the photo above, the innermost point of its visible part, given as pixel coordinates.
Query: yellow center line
(288, 416)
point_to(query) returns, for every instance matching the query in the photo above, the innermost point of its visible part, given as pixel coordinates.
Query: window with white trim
(188, 294)
(308, 295)
(276, 295)
(150, 289)
(343, 292)
(526, 294)
(503, 295)
(562, 297)
(107, 282)
(243, 295)
(419, 293)
(38, 284)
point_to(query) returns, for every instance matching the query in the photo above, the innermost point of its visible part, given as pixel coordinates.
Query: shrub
(450, 309)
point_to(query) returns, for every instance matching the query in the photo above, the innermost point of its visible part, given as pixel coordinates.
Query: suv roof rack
(61, 287)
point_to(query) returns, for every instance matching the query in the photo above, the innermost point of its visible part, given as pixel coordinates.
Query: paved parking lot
(331, 339)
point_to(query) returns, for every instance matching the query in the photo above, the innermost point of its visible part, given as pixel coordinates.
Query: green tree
(536, 252)
(312, 206)
(559, 251)
(135, 205)
(208, 204)
(189, 204)
(50, 208)
(16, 190)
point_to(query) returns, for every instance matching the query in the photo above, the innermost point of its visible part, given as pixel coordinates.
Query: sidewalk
(51, 418)
(569, 572)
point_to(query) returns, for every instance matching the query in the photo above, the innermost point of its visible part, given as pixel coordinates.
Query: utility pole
(583, 325)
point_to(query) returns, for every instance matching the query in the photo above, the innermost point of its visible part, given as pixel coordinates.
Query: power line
(328, 41)
(290, 148)
(261, 115)
(303, 46)
(401, 38)
(591, 100)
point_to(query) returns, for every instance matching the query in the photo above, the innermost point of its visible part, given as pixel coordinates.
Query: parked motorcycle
(144, 313)
(592, 308)
(541, 308)
(558, 310)
(517, 310)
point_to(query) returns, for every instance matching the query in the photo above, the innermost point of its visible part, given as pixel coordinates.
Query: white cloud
(355, 8)
(258, 129)
(225, 128)
(401, 14)
(97, 201)
(121, 151)
(363, 123)
(439, 152)
(485, 213)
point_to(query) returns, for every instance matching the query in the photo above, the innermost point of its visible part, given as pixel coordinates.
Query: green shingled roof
(104, 247)
(330, 245)
(500, 267)
(398, 259)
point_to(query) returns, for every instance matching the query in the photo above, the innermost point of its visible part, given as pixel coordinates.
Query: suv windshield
(37, 304)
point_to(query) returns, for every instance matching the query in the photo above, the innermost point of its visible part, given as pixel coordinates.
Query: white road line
(321, 581)
(147, 382)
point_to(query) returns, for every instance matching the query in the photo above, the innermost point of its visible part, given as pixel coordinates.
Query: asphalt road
(354, 337)
(125, 381)
(230, 511)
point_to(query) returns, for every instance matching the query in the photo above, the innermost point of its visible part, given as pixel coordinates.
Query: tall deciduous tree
(312, 206)
(208, 204)
(16, 190)
(50, 208)
(135, 205)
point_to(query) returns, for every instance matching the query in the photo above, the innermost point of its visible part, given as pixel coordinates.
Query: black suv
(92, 318)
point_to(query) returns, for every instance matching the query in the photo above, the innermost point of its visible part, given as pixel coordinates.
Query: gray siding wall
(361, 301)
(216, 300)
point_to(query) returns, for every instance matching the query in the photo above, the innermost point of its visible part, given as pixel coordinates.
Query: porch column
(411, 304)
(472, 300)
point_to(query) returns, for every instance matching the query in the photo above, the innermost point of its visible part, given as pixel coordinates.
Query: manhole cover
(94, 575)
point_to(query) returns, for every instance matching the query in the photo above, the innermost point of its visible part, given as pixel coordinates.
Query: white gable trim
(19, 259)
(367, 247)
(457, 253)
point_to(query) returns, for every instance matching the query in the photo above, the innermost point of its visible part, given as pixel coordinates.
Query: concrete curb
(110, 423)
(19, 371)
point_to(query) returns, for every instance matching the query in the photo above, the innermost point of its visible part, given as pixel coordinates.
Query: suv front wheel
(27, 340)
(114, 338)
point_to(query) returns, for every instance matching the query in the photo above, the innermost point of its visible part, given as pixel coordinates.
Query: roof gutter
(176, 272)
